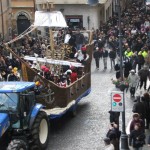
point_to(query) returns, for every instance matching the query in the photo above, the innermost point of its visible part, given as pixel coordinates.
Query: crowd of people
(135, 30)
(63, 76)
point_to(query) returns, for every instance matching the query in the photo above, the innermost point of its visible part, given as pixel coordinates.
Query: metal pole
(2, 18)
(124, 137)
(34, 5)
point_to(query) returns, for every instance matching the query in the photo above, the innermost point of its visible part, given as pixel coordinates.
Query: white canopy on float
(49, 19)
(53, 61)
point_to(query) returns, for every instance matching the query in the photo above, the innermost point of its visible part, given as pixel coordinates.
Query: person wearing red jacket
(73, 76)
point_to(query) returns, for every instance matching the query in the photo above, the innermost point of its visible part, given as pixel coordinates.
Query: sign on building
(117, 101)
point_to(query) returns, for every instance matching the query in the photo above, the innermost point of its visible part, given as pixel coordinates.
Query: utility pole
(48, 6)
(2, 18)
(34, 5)
(124, 137)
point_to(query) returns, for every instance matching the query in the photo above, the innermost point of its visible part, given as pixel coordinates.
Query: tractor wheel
(17, 145)
(40, 131)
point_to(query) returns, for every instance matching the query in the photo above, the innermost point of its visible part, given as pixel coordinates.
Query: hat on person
(46, 70)
(83, 48)
(37, 83)
(136, 115)
(34, 62)
(15, 69)
(107, 140)
(132, 71)
(10, 67)
(43, 67)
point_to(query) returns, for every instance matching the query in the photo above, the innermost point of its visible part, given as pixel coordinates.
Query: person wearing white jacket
(108, 145)
(133, 79)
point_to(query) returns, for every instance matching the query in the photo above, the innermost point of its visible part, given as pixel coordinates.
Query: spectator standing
(12, 77)
(139, 108)
(108, 145)
(146, 102)
(105, 56)
(133, 79)
(112, 56)
(113, 136)
(117, 69)
(74, 75)
(114, 117)
(127, 67)
(136, 119)
(149, 141)
(79, 40)
(143, 74)
(96, 56)
(137, 138)
(141, 60)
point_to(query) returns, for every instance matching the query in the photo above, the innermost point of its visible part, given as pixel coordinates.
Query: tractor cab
(16, 103)
(21, 117)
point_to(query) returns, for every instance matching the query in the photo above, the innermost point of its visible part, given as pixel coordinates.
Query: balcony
(22, 3)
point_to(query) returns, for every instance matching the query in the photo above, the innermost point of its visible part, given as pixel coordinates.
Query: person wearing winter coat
(139, 108)
(141, 61)
(137, 138)
(80, 40)
(146, 102)
(133, 79)
(136, 119)
(96, 56)
(114, 117)
(117, 69)
(134, 61)
(105, 56)
(143, 74)
(108, 145)
(112, 56)
(81, 56)
(127, 67)
(149, 141)
(147, 59)
(112, 134)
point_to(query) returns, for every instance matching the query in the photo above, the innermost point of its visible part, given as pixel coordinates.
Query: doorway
(75, 22)
(23, 23)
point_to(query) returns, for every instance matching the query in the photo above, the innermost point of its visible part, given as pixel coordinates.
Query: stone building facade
(79, 14)
(18, 15)
(15, 17)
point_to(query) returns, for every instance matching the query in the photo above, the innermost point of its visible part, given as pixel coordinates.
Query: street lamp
(124, 137)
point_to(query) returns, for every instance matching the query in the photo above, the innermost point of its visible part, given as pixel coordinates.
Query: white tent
(49, 19)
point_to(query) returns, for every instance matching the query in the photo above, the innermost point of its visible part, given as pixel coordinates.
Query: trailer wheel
(17, 145)
(40, 131)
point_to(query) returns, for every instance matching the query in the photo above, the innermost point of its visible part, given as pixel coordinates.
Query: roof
(11, 87)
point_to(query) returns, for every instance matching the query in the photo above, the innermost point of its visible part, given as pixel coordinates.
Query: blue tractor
(23, 122)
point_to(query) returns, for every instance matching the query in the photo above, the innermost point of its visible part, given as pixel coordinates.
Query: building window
(74, 22)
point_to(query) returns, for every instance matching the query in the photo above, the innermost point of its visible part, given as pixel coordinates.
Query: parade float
(25, 121)
(57, 100)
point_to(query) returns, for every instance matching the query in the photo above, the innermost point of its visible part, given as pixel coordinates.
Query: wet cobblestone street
(87, 130)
